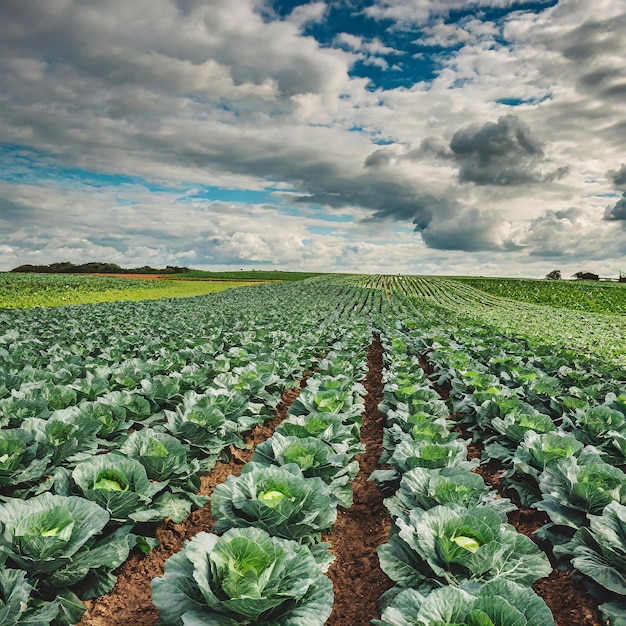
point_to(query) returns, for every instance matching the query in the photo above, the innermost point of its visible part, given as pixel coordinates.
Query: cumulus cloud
(470, 230)
(505, 152)
(370, 51)
(307, 14)
(446, 35)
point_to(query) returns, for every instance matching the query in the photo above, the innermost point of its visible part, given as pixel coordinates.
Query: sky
(452, 137)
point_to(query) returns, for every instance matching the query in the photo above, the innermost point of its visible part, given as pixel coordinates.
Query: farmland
(23, 291)
(333, 450)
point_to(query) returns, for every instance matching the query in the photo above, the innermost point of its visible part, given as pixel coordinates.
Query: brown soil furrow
(357, 578)
(129, 603)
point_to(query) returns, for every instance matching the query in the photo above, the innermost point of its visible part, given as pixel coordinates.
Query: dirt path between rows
(130, 601)
(357, 578)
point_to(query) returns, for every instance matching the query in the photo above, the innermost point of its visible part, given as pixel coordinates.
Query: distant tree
(554, 275)
(586, 276)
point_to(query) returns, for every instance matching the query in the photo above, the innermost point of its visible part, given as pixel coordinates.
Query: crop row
(267, 567)
(559, 436)
(450, 552)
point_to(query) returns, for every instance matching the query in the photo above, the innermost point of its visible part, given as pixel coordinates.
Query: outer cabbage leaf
(496, 603)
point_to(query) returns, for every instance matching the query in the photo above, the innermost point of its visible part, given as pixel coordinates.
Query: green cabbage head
(243, 577)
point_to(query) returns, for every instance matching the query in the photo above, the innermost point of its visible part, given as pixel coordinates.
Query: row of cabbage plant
(268, 565)
(565, 458)
(75, 495)
(452, 555)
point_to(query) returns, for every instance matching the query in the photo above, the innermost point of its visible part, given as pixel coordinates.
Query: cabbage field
(342, 450)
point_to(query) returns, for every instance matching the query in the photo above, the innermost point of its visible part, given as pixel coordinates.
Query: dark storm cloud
(499, 153)
(619, 176)
(617, 212)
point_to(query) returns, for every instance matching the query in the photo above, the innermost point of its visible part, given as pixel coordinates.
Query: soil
(357, 578)
(569, 603)
(130, 601)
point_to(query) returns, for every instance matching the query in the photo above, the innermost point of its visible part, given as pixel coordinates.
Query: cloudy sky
(415, 136)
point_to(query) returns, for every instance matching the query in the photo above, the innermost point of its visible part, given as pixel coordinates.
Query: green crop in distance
(25, 291)
(594, 297)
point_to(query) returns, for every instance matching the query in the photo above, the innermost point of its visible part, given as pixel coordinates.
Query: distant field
(575, 327)
(24, 291)
(249, 275)
(595, 297)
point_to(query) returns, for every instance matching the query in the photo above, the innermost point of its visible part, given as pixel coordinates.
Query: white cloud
(218, 94)
(447, 35)
(306, 14)
(411, 12)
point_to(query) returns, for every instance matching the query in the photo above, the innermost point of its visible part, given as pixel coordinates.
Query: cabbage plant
(338, 401)
(423, 433)
(67, 435)
(111, 417)
(422, 427)
(343, 437)
(315, 458)
(165, 460)
(164, 457)
(533, 455)
(118, 484)
(512, 428)
(422, 489)
(243, 577)
(409, 454)
(599, 552)
(603, 427)
(279, 500)
(22, 460)
(574, 488)
(450, 544)
(18, 604)
(209, 421)
(56, 540)
(496, 603)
